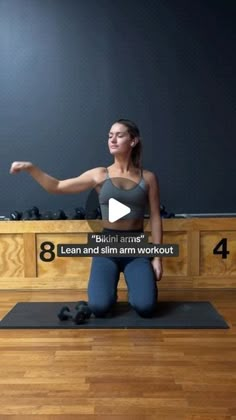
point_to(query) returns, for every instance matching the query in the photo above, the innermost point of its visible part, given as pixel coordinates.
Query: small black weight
(59, 215)
(79, 213)
(83, 312)
(31, 214)
(47, 215)
(79, 317)
(15, 215)
(35, 215)
(65, 314)
(54, 215)
(80, 302)
(93, 214)
(164, 214)
(26, 215)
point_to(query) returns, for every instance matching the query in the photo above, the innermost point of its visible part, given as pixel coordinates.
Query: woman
(126, 178)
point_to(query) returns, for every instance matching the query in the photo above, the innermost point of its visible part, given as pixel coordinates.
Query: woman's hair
(133, 130)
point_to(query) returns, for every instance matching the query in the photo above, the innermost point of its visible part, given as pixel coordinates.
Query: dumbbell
(35, 213)
(47, 215)
(65, 314)
(15, 215)
(31, 214)
(59, 215)
(163, 211)
(165, 214)
(83, 313)
(93, 214)
(77, 214)
(54, 215)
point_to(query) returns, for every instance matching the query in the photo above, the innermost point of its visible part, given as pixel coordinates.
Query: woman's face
(119, 139)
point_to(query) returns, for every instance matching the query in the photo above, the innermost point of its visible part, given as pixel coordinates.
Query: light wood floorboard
(119, 374)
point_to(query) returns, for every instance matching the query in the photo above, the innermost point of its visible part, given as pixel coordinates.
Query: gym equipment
(47, 215)
(77, 214)
(59, 215)
(164, 213)
(93, 214)
(82, 313)
(65, 313)
(80, 302)
(26, 215)
(16, 215)
(54, 215)
(30, 214)
(35, 215)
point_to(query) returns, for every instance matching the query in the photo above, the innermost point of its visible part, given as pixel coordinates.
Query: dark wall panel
(68, 69)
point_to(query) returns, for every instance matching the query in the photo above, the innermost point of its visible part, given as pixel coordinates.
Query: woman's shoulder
(100, 173)
(149, 175)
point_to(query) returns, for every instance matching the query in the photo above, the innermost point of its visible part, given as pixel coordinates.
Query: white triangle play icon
(116, 210)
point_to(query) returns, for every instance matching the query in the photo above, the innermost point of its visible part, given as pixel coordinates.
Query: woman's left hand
(157, 267)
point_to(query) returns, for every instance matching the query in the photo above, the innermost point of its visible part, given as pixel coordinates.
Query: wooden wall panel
(176, 266)
(223, 261)
(11, 255)
(197, 265)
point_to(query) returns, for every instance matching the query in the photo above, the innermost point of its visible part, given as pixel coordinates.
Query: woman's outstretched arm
(53, 185)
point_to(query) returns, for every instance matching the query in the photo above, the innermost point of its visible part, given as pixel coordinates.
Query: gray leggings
(139, 276)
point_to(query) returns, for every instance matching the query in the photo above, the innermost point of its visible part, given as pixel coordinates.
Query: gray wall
(69, 68)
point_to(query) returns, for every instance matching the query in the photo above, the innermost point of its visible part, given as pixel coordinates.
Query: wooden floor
(119, 374)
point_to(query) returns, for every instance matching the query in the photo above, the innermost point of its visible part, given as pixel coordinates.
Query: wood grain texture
(12, 255)
(196, 266)
(215, 265)
(30, 250)
(119, 374)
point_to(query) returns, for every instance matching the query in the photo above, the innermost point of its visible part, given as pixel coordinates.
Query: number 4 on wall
(221, 248)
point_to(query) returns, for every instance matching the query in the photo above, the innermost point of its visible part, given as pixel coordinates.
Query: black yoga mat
(168, 315)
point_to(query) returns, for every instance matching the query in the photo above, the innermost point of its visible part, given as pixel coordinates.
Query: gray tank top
(136, 198)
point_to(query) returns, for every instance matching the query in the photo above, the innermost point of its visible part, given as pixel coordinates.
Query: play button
(116, 199)
(116, 210)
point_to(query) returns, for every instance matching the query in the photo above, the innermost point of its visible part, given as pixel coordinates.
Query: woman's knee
(146, 308)
(146, 311)
(100, 308)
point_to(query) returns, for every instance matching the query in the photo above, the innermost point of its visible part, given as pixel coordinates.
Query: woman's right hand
(17, 167)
